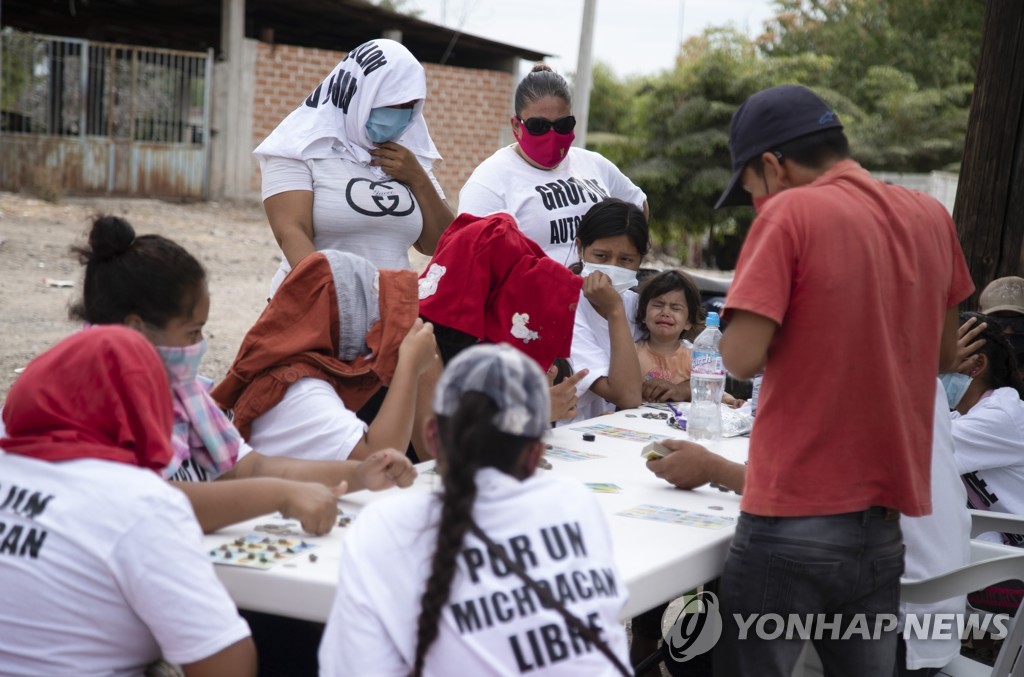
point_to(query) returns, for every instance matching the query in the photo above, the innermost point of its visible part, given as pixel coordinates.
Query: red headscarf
(100, 393)
(490, 281)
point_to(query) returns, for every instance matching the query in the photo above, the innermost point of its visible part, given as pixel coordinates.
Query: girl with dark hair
(611, 242)
(153, 285)
(505, 571)
(988, 423)
(669, 312)
(544, 182)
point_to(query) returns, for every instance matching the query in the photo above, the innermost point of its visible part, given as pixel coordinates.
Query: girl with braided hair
(506, 571)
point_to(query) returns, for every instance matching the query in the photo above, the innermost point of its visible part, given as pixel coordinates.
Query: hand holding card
(655, 450)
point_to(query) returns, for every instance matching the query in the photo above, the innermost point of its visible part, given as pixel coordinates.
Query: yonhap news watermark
(699, 626)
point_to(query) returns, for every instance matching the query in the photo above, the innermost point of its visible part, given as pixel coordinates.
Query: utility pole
(989, 209)
(584, 73)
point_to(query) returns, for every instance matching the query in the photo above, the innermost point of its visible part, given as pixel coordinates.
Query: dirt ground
(233, 241)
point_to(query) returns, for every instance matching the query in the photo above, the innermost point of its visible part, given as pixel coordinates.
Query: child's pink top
(674, 368)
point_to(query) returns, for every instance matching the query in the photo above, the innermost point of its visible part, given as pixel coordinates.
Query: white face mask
(622, 278)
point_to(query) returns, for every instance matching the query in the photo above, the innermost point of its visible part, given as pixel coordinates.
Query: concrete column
(231, 144)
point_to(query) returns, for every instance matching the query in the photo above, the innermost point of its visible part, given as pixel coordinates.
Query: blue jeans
(832, 564)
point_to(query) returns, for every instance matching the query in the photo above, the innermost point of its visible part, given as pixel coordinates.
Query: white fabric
(989, 451)
(937, 543)
(372, 626)
(592, 349)
(119, 579)
(331, 122)
(353, 210)
(547, 204)
(310, 422)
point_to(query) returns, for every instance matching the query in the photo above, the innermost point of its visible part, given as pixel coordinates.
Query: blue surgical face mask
(385, 124)
(955, 386)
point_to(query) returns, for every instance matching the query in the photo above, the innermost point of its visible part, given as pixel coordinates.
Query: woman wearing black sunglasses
(541, 180)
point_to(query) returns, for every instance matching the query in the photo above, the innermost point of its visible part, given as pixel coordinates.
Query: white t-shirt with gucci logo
(353, 211)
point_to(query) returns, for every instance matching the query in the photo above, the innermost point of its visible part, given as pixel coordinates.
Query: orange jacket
(297, 337)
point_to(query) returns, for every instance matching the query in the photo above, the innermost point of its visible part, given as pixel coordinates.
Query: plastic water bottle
(755, 393)
(707, 384)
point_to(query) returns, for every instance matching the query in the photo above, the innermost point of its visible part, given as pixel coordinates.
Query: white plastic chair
(990, 563)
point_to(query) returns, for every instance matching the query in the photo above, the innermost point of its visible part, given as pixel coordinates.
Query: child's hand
(563, 396)
(730, 401)
(419, 348)
(658, 390)
(598, 289)
(385, 469)
(313, 504)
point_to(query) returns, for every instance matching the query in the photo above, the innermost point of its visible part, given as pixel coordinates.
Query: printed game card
(563, 454)
(620, 433)
(654, 451)
(260, 550)
(657, 513)
(603, 487)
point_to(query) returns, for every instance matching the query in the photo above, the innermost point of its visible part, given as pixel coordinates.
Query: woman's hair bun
(541, 67)
(110, 237)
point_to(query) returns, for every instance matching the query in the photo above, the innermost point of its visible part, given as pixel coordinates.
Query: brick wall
(467, 110)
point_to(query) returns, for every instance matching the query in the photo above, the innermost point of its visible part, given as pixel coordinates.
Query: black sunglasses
(1016, 324)
(538, 126)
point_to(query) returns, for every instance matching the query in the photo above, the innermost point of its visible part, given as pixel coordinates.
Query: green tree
(907, 65)
(610, 101)
(935, 42)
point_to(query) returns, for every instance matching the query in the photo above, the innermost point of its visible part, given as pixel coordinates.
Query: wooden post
(989, 209)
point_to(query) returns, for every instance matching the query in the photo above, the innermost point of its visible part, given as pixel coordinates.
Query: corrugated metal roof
(195, 25)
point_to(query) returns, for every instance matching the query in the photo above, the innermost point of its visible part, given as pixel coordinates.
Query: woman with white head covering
(351, 168)
(505, 571)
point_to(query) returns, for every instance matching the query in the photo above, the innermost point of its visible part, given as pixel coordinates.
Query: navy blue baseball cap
(767, 120)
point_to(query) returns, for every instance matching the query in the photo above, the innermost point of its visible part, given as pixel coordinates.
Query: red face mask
(547, 150)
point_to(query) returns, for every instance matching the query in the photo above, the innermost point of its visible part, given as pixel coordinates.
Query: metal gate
(86, 117)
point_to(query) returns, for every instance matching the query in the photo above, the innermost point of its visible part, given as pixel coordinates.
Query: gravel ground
(233, 241)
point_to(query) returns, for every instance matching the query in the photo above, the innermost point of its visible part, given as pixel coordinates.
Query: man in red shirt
(845, 296)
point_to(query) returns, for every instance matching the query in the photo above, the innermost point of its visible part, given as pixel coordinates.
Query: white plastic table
(657, 561)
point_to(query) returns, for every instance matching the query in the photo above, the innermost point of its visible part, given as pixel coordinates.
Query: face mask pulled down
(955, 385)
(622, 278)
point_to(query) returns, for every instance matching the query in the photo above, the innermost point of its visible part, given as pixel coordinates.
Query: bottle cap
(712, 320)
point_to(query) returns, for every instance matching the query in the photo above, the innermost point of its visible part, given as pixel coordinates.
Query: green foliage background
(899, 72)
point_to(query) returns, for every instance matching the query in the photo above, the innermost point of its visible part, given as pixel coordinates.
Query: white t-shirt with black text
(353, 210)
(491, 624)
(547, 204)
(103, 571)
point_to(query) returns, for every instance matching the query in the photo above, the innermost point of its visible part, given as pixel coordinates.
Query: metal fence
(97, 91)
(69, 87)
